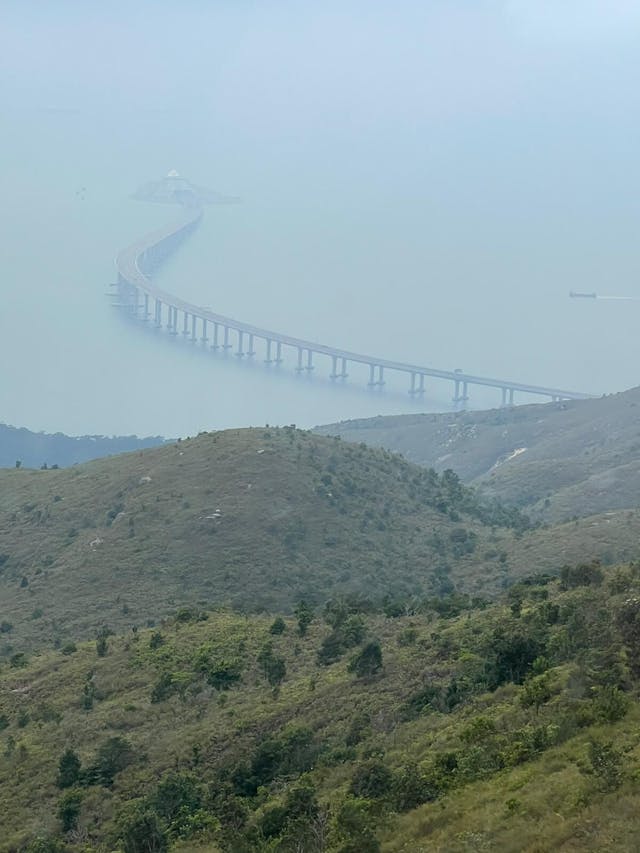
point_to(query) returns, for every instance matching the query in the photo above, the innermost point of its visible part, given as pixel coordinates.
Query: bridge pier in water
(373, 381)
(413, 391)
(342, 372)
(214, 345)
(240, 350)
(226, 345)
(308, 367)
(460, 399)
(507, 392)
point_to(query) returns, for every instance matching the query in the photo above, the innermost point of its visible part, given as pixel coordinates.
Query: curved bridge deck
(143, 300)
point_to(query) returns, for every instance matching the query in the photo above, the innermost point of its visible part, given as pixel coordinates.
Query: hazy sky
(420, 180)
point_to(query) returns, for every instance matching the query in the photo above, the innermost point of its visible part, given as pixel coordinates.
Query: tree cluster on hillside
(343, 728)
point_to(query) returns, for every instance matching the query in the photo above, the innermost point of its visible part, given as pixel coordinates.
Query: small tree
(535, 692)
(368, 661)
(69, 809)
(142, 831)
(273, 667)
(278, 626)
(372, 780)
(304, 614)
(68, 769)
(607, 765)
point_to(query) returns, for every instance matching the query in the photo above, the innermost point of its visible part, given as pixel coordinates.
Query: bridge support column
(185, 330)
(299, 368)
(507, 397)
(194, 335)
(251, 352)
(174, 322)
(215, 345)
(146, 306)
(268, 359)
(372, 376)
(460, 399)
(334, 367)
(278, 358)
(419, 391)
(240, 350)
(204, 337)
(309, 366)
(226, 345)
(158, 313)
(343, 372)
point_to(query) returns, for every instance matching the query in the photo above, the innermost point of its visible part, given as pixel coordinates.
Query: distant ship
(575, 295)
(174, 189)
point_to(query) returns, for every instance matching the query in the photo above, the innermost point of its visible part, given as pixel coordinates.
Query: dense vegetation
(425, 724)
(20, 446)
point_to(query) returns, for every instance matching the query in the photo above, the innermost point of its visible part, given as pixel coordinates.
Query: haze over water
(423, 181)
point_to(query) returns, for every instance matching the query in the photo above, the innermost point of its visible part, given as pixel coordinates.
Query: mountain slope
(512, 727)
(250, 518)
(556, 460)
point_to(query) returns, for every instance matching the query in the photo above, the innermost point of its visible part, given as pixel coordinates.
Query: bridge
(143, 300)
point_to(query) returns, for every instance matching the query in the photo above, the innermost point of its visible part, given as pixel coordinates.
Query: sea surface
(428, 257)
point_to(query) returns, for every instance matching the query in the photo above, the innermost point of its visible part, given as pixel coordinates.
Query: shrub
(224, 675)
(164, 687)
(355, 824)
(535, 692)
(372, 780)
(68, 769)
(274, 668)
(69, 809)
(177, 793)
(113, 756)
(585, 574)
(368, 662)
(607, 765)
(44, 845)
(142, 831)
(411, 788)
(278, 626)
(156, 640)
(304, 614)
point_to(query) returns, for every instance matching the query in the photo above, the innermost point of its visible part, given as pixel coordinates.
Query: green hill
(253, 519)
(554, 461)
(511, 727)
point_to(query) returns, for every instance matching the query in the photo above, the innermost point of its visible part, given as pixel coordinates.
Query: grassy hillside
(35, 449)
(512, 727)
(253, 519)
(556, 460)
